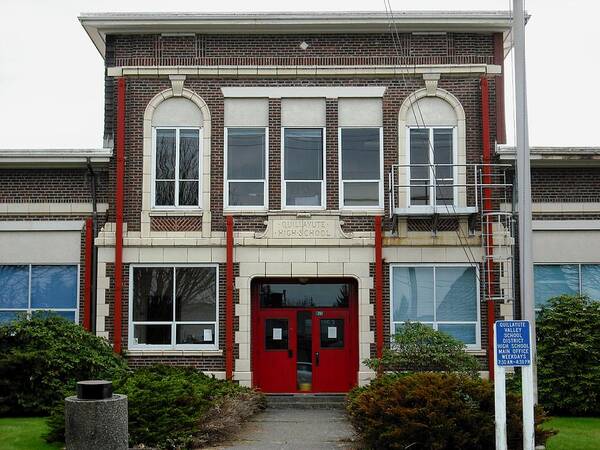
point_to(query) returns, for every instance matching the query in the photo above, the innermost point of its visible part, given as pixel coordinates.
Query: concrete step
(306, 401)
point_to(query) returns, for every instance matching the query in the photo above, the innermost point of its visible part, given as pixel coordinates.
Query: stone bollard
(96, 418)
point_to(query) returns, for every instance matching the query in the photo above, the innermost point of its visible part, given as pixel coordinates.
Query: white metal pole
(499, 399)
(524, 211)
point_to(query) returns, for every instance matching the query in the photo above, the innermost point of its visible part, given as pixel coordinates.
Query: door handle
(290, 353)
(317, 358)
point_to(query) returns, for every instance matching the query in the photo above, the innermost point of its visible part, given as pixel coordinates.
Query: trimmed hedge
(568, 336)
(433, 411)
(177, 408)
(41, 359)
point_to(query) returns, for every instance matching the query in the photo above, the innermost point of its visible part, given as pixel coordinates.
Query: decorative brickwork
(167, 223)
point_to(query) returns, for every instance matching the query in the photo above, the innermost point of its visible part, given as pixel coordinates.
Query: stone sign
(292, 227)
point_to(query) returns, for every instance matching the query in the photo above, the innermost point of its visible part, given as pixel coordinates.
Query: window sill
(430, 210)
(245, 212)
(175, 212)
(151, 352)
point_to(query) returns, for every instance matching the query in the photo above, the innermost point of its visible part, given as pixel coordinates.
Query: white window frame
(259, 208)
(379, 205)
(579, 274)
(176, 206)
(432, 193)
(131, 345)
(323, 181)
(434, 323)
(29, 310)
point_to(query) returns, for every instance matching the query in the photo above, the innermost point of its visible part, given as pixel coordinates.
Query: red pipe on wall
(378, 286)
(229, 302)
(87, 290)
(487, 207)
(120, 174)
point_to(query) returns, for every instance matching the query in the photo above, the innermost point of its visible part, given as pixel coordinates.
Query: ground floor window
(26, 289)
(174, 307)
(553, 280)
(446, 297)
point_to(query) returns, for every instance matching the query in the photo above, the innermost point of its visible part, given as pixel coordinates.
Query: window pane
(296, 295)
(165, 154)
(303, 194)
(554, 280)
(276, 334)
(69, 315)
(9, 316)
(419, 153)
(14, 286)
(332, 333)
(195, 334)
(152, 334)
(463, 332)
(590, 280)
(165, 193)
(442, 145)
(360, 154)
(189, 145)
(412, 294)
(152, 294)
(456, 294)
(188, 193)
(246, 194)
(303, 154)
(246, 153)
(361, 194)
(399, 327)
(196, 294)
(53, 286)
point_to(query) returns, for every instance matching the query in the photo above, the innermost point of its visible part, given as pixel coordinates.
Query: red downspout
(229, 302)
(487, 207)
(378, 286)
(119, 214)
(87, 290)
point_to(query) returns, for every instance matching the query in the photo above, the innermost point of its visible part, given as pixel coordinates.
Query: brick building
(284, 191)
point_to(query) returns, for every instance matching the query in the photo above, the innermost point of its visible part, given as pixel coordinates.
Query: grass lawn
(24, 433)
(574, 433)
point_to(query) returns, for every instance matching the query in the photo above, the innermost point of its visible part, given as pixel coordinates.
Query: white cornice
(555, 156)
(54, 157)
(98, 25)
(304, 71)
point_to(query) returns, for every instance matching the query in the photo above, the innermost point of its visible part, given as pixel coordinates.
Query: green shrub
(175, 407)
(568, 336)
(432, 411)
(41, 359)
(419, 348)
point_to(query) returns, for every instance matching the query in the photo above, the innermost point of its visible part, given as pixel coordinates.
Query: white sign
(207, 335)
(331, 332)
(512, 347)
(276, 334)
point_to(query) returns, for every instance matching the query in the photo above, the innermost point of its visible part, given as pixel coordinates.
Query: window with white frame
(177, 167)
(174, 307)
(303, 161)
(246, 183)
(446, 297)
(46, 289)
(361, 167)
(554, 280)
(432, 164)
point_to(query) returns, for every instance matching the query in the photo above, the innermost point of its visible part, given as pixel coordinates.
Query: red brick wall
(568, 185)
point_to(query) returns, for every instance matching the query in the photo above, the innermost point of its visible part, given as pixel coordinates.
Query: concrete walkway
(295, 429)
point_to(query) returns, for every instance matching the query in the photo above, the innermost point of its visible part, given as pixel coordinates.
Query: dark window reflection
(304, 351)
(196, 294)
(295, 295)
(360, 153)
(152, 334)
(276, 334)
(153, 294)
(303, 155)
(332, 333)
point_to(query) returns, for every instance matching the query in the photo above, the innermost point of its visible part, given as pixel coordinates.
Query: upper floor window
(361, 167)
(246, 168)
(177, 167)
(176, 154)
(47, 289)
(303, 162)
(432, 166)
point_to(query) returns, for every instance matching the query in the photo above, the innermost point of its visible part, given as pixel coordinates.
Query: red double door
(305, 337)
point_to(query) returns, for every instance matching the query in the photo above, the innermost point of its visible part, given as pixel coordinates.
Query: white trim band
(55, 225)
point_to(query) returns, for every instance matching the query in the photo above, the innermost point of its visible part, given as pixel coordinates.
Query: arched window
(432, 150)
(176, 154)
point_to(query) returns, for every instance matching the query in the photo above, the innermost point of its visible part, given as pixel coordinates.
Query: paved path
(295, 429)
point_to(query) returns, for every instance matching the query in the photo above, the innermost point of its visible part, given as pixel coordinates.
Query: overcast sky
(51, 76)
